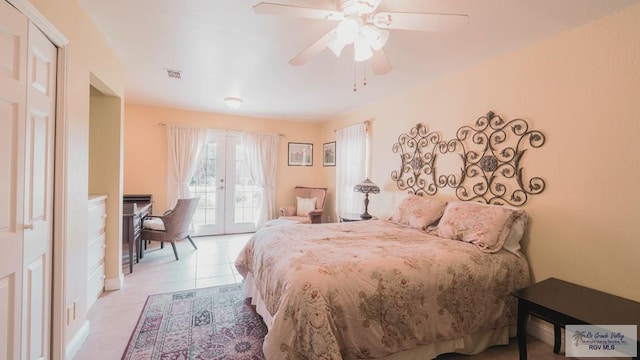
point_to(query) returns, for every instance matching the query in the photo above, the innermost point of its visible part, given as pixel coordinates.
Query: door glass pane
(203, 185)
(247, 194)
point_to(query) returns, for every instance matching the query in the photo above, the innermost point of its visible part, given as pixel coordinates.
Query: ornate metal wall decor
(491, 152)
(417, 154)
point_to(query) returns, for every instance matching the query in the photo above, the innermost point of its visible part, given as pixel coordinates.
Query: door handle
(28, 226)
(221, 188)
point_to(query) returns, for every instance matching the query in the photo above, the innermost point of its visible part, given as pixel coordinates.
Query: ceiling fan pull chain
(355, 84)
(364, 71)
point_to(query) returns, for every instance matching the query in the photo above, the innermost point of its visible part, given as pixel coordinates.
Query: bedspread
(372, 288)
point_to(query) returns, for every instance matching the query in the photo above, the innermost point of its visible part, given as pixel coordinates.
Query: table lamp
(367, 186)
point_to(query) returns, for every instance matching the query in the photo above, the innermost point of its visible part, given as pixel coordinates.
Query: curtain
(351, 157)
(184, 146)
(261, 152)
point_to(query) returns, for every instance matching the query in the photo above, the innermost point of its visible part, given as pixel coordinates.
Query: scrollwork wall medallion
(417, 153)
(491, 151)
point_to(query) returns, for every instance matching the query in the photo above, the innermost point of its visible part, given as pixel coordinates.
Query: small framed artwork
(329, 154)
(300, 154)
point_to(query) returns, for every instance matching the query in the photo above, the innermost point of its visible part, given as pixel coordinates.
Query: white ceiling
(224, 49)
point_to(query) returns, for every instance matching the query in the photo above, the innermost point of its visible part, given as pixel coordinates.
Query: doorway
(229, 199)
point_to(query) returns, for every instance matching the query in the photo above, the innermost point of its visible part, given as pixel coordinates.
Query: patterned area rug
(211, 323)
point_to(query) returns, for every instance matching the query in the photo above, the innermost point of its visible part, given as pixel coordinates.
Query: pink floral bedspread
(372, 288)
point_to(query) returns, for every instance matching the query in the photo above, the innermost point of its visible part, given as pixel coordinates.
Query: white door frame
(58, 328)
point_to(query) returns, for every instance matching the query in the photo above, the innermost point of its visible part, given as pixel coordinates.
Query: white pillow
(305, 205)
(512, 244)
(153, 224)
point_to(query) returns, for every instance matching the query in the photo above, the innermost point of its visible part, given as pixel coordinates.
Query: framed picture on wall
(329, 154)
(300, 154)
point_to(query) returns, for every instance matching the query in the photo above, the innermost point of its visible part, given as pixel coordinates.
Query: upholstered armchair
(309, 205)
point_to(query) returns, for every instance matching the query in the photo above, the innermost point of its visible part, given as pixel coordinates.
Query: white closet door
(13, 80)
(38, 205)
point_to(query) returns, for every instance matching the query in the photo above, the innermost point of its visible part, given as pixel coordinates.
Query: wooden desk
(563, 303)
(132, 217)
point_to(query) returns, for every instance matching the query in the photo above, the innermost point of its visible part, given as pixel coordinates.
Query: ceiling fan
(361, 24)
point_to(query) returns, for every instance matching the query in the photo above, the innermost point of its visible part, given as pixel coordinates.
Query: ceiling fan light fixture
(232, 102)
(362, 50)
(348, 30)
(375, 36)
(336, 47)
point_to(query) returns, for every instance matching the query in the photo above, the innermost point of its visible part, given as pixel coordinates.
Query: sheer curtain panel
(261, 151)
(351, 157)
(183, 149)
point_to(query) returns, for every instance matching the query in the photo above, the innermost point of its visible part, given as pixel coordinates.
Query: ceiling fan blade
(380, 63)
(420, 21)
(290, 10)
(313, 50)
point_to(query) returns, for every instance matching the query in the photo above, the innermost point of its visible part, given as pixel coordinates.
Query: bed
(394, 289)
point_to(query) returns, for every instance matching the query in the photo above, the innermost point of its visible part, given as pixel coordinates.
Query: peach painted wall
(145, 146)
(582, 89)
(88, 53)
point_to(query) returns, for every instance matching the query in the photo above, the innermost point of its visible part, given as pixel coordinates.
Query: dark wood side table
(132, 217)
(354, 217)
(563, 303)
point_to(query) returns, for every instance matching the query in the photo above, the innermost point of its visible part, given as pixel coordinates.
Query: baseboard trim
(74, 345)
(114, 283)
(543, 331)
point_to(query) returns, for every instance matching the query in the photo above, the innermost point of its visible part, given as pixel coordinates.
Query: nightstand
(354, 217)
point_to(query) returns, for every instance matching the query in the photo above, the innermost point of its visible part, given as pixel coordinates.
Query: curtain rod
(225, 130)
(366, 123)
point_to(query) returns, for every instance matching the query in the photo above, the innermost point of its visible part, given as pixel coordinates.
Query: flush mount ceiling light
(232, 102)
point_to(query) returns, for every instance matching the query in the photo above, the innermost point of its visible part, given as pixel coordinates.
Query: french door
(229, 199)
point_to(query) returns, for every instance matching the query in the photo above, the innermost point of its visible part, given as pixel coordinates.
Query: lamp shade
(336, 46)
(366, 187)
(362, 50)
(347, 30)
(375, 36)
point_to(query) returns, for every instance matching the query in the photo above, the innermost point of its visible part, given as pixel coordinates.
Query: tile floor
(113, 317)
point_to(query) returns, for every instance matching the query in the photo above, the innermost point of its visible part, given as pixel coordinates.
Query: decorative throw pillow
(418, 212)
(487, 227)
(305, 205)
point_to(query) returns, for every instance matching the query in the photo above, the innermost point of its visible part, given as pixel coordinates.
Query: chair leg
(175, 252)
(161, 244)
(192, 243)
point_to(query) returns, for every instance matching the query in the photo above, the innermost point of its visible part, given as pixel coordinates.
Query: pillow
(512, 243)
(418, 212)
(153, 224)
(485, 226)
(305, 205)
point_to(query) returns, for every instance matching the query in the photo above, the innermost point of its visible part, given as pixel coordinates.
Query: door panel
(208, 184)
(241, 192)
(40, 126)
(13, 80)
(36, 307)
